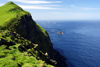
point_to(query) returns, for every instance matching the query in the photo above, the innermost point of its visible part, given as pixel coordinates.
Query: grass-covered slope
(10, 16)
(23, 43)
(10, 11)
(14, 18)
(15, 51)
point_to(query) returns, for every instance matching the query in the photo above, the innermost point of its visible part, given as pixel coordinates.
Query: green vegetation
(10, 11)
(10, 16)
(41, 29)
(15, 49)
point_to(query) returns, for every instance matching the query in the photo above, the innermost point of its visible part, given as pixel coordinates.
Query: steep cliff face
(22, 23)
(15, 19)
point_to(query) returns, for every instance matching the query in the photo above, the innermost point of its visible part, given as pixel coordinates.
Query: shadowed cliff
(21, 37)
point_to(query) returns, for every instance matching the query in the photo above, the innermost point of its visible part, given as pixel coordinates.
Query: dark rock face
(32, 33)
(29, 29)
(60, 59)
(52, 53)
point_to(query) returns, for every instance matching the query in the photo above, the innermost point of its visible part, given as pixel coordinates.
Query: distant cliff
(23, 42)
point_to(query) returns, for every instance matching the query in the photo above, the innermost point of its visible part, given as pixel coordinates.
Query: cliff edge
(23, 42)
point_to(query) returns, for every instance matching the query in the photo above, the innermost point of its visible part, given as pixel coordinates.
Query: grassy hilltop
(10, 11)
(23, 43)
(14, 18)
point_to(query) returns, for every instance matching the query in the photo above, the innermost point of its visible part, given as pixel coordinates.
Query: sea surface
(80, 42)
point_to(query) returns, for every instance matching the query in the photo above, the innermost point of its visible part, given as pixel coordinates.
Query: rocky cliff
(21, 37)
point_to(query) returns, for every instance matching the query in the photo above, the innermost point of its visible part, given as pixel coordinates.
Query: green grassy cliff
(14, 18)
(17, 49)
(23, 43)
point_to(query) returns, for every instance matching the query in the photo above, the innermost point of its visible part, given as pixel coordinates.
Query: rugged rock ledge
(22, 24)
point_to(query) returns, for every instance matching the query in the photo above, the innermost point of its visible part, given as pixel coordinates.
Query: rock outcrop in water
(60, 33)
(23, 42)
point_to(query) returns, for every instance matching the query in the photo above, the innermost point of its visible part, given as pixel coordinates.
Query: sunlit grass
(10, 11)
(15, 50)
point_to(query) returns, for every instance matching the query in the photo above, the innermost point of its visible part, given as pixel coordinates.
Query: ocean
(80, 42)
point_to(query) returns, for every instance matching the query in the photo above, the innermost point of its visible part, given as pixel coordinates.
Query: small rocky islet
(24, 43)
(60, 33)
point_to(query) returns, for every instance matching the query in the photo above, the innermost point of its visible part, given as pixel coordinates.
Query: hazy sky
(60, 9)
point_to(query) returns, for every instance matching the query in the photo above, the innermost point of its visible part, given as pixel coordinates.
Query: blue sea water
(80, 43)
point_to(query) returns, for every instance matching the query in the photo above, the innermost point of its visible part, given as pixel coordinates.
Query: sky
(60, 9)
